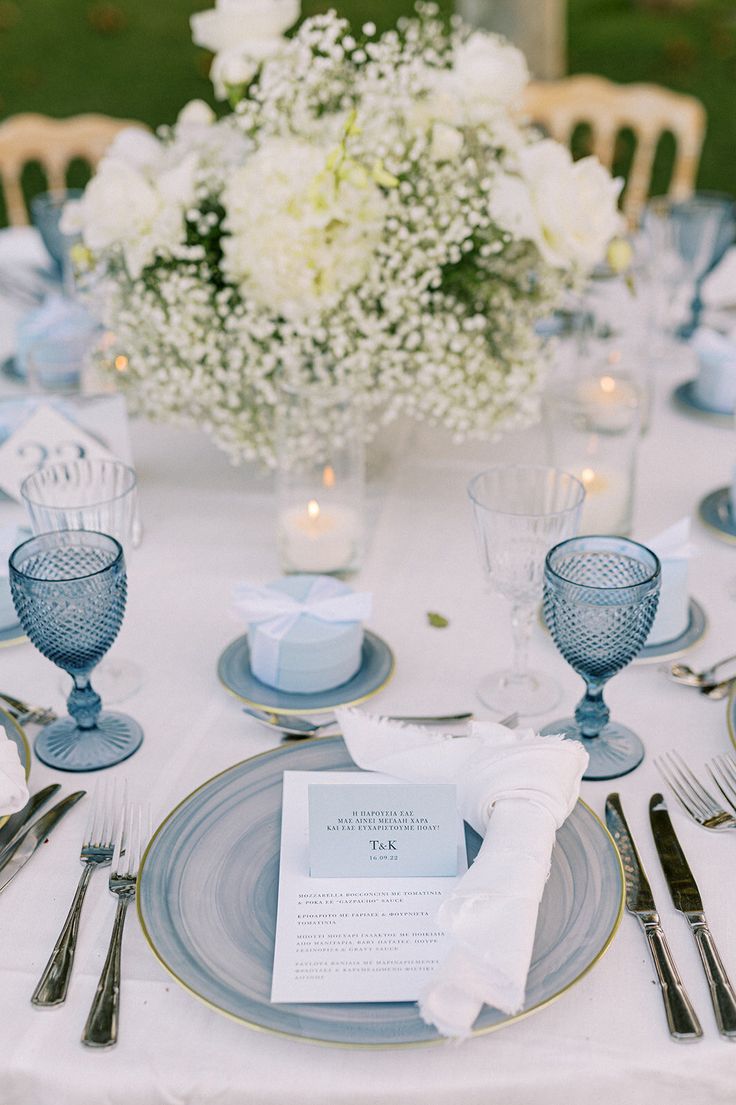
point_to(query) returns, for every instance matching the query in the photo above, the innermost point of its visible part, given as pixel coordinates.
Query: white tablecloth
(208, 525)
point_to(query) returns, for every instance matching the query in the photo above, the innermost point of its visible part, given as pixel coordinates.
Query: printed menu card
(352, 935)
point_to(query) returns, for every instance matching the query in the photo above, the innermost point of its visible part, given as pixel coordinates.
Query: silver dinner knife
(17, 821)
(16, 855)
(681, 1017)
(686, 898)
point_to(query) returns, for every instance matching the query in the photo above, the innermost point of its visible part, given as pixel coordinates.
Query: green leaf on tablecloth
(437, 621)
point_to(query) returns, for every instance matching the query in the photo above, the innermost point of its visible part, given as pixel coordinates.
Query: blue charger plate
(715, 513)
(208, 888)
(376, 669)
(685, 397)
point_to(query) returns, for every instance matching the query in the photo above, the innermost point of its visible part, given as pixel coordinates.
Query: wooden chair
(646, 109)
(54, 143)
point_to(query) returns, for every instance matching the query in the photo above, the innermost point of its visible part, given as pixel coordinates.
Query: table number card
(44, 437)
(390, 830)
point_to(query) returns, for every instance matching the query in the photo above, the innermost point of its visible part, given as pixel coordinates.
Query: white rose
(136, 147)
(489, 72)
(231, 68)
(447, 142)
(195, 114)
(567, 209)
(250, 24)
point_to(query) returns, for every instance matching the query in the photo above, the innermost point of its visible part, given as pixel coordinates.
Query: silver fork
(97, 849)
(696, 800)
(25, 714)
(101, 1029)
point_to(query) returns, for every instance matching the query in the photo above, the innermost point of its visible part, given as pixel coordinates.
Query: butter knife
(682, 1021)
(18, 853)
(16, 821)
(686, 899)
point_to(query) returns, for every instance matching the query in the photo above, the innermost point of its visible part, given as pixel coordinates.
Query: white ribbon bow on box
(277, 613)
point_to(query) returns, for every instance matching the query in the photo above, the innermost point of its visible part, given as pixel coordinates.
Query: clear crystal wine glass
(519, 512)
(91, 493)
(600, 598)
(69, 589)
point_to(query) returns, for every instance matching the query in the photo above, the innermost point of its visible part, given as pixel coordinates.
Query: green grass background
(135, 58)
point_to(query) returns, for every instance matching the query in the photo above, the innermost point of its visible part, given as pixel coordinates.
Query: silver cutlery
(682, 1020)
(717, 691)
(19, 851)
(25, 714)
(696, 800)
(97, 851)
(687, 900)
(17, 821)
(298, 726)
(683, 673)
(101, 1029)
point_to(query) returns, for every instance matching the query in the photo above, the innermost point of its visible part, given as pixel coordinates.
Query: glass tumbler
(600, 598)
(69, 589)
(519, 512)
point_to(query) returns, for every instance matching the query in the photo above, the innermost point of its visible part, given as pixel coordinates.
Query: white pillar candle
(317, 539)
(607, 500)
(610, 402)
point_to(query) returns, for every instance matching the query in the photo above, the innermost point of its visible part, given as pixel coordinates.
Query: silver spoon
(720, 690)
(294, 725)
(683, 673)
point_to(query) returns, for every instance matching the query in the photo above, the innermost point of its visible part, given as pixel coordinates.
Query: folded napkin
(13, 789)
(675, 550)
(719, 286)
(515, 789)
(715, 385)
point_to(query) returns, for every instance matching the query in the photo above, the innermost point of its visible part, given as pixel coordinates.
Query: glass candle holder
(593, 429)
(320, 481)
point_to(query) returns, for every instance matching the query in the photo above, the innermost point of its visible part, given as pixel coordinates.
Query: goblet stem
(522, 619)
(84, 704)
(591, 712)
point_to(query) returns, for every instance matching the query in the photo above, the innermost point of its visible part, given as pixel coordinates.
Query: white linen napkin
(675, 550)
(13, 789)
(515, 789)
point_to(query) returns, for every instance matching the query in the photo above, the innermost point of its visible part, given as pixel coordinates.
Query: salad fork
(97, 850)
(698, 802)
(101, 1029)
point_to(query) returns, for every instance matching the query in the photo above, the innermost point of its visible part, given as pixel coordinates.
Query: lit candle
(318, 539)
(606, 505)
(610, 402)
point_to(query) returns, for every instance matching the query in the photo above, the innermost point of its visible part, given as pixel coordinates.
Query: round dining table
(208, 525)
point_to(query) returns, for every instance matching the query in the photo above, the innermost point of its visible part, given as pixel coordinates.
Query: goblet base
(65, 746)
(531, 693)
(615, 751)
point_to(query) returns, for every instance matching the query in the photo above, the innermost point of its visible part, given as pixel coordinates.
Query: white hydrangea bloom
(298, 237)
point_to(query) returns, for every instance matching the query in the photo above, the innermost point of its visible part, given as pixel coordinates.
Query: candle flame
(587, 476)
(121, 362)
(328, 476)
(608, 384)
(614, 357)
(313, 509)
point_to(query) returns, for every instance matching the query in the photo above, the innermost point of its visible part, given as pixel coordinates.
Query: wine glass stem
(522, 618)
(591, 712)
(83, 703)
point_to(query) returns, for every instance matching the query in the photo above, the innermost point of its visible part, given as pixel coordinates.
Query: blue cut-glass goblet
(69, 590)
(600, 598)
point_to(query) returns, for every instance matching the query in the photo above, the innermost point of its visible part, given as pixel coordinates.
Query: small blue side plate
(715, 513)
(376, 669)
(670, 650)
(684, 396)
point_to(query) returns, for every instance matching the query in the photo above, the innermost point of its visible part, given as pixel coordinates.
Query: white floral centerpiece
(373, 214)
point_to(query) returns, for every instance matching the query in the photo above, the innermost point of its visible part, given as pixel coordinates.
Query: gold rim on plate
(309, 711)
(368, 1046)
